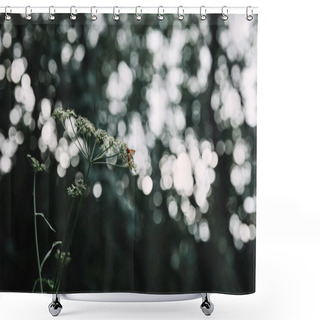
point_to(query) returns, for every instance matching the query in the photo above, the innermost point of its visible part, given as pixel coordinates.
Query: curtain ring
(180, 13)
(93, 16)
(116, 16)
(224, 13)
(137, 15)
(52, 10)
(249, 15)
(28, 16)
(73, 16)
(6, 14)
(160, 15)
(203, 13)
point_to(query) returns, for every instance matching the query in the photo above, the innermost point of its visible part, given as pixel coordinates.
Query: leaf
(48, 253)
(47, 222)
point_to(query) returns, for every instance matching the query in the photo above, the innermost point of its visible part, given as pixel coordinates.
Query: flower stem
(76, 139)
(102, 153)
(86, 146)
(64, 241)
(57, 287)
(58, 281)
(113, 164)
(36, 230)
(103, 157)
(93, 150)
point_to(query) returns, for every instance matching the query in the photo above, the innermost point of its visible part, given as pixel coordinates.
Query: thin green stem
(79, 148)
(105, 157)
(64, 241)
(101, 154)
(57, 286)
(87, 148)
(76, 138)
(36, 230)
(113, 155)
(93, 149)
(87, 173)
(113, 164)
(43, 280)
(68, 246)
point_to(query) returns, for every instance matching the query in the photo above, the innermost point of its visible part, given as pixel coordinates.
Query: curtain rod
(128, 10)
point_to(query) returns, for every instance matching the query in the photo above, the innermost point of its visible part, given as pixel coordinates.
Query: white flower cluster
(112, 151)
(77, 191)
(35, 164)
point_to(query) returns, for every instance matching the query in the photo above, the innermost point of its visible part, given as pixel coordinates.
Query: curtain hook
(137, 15)
(249, 15)
(160, 15)
(180, 13)
(28, 16)
(52, 10)
(73, 15)
(224, 13)
(116, 16)
(6, 14)
(93, 16)
(203, 13)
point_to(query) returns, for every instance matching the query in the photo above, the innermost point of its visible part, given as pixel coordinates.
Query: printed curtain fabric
(128, 154)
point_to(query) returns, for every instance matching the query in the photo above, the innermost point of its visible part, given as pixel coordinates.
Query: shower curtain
(128, 154)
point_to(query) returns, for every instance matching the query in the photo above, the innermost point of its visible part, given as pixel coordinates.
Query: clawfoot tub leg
(55, 306)
(206, 305)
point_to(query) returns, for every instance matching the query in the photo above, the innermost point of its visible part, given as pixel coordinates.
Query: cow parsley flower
(95, 145)
(63, 114)
(100, 135)
(85, 127)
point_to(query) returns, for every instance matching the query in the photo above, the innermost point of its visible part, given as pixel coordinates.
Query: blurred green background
(182, 94)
